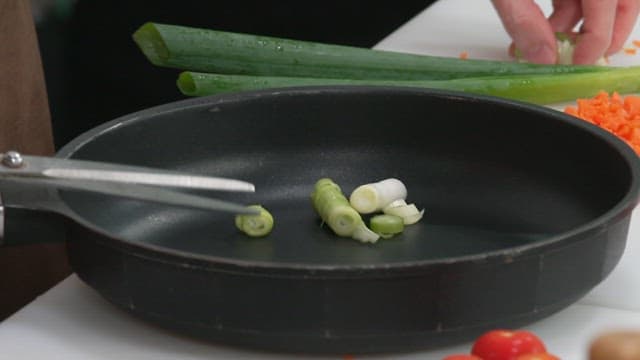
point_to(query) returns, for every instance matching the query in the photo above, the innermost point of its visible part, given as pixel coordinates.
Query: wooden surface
(25, 271)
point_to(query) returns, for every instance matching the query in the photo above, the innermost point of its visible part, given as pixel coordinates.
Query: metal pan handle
(22, 226)
(32, 220)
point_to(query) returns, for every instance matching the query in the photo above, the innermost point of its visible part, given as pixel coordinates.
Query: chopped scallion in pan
(255, 225)
(335, 211)
(344, 216)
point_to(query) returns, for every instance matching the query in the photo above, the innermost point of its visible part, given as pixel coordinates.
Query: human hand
(606, 25)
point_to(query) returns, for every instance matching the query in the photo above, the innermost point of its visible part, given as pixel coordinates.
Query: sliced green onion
(372, 197)
(396, 203)
(386, 225)
(408, 212)
(255, 225)
(342, 219)
(327, 182)
(402, 210)
(334, 209)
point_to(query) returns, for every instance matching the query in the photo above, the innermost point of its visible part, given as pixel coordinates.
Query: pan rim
(261, 268)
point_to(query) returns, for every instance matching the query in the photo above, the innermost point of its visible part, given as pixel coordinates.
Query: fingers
(606, 26)
(566, 15)
(626, 15)
(597, 30)
(531, 32)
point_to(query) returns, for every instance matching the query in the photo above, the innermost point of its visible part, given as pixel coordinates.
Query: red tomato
(539, 356)
(461, 357)
(507, 345)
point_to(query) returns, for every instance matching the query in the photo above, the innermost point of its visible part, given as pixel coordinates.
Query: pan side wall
(346, 310)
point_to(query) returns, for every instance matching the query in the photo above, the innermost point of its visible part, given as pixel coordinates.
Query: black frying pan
(527, 209)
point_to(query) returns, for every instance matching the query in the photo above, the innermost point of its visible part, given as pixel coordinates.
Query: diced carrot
(630, 51)
(617, 114)
(348, 357)
(636, 43)
(464, 55)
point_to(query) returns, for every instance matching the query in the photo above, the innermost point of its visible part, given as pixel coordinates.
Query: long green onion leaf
(207, 50)
(539, 89)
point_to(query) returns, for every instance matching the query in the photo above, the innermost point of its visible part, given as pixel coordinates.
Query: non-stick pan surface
(526, 209)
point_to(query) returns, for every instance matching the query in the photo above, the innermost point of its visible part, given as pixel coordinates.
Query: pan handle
(30, 218)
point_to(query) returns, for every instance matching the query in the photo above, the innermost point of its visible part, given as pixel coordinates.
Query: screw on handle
(12, 159)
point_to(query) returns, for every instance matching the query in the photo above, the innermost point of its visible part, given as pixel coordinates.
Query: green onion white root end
(373, 197)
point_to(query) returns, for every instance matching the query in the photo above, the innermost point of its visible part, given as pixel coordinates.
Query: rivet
(12, 159)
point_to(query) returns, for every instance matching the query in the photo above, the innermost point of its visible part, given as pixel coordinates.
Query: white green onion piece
(565, 45)
(335, 210)
(372, 197)
(386, 225)
(566, 48)
(255, 225)
(565, 51)
(408, 212)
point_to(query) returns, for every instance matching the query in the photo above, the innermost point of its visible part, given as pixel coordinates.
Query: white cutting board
(449, 27)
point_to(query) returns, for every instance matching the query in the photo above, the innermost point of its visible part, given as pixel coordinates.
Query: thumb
(529, 29)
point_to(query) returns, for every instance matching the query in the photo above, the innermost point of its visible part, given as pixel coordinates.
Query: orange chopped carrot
(630, 51)
(464, 55)
(636, 43)
(348, 357)
(614, 113)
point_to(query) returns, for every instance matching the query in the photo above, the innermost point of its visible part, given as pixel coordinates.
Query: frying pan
(526, 210)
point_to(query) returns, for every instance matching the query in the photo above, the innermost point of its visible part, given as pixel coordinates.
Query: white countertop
(71, 321)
